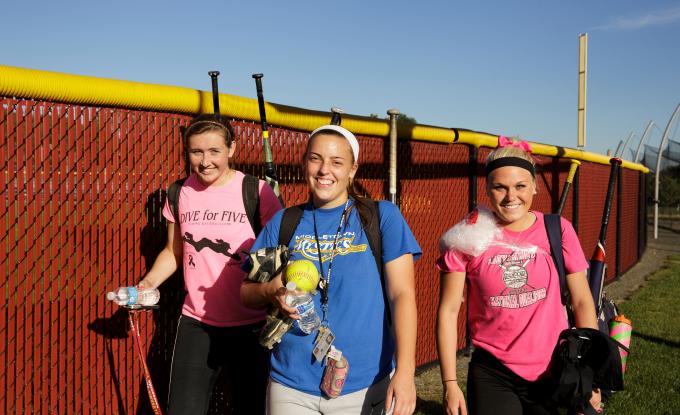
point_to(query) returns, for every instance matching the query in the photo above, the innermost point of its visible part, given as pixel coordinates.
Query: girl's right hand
(278, 298)
(454, 400)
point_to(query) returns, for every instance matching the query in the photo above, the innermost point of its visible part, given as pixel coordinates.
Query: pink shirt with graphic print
(514, 310)
(215, 231)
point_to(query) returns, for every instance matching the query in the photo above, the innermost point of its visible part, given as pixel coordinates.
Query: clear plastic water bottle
(304, 303)
(132, 296)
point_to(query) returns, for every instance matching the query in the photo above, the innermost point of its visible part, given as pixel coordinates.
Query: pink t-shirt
(215, 231)
(515, 310)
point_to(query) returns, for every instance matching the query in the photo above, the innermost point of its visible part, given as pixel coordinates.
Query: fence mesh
(83, 190)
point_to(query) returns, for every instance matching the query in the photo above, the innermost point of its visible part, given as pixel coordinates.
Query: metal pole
(619, 190)
(472, 178)
(625, 144)
(393, 113)
(664, 140)
(642, 140)
(575, 201)
(582, 84)
(642, 215)
(618, 147)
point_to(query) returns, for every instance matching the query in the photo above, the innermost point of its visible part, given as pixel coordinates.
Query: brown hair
(208, 122)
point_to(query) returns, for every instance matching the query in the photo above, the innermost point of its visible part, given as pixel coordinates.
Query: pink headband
(504, 141)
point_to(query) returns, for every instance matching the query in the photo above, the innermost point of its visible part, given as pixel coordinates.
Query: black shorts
(494, 389)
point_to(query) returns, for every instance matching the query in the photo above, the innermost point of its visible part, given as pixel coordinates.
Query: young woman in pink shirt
(206, 239)
(515, 312)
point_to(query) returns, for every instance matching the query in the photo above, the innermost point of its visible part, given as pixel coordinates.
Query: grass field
(652, 379)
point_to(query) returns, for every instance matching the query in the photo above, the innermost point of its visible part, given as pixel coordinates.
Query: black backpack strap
(553, 226)
(173, 197)
(289, 221)
(251, 201)
(374, 236)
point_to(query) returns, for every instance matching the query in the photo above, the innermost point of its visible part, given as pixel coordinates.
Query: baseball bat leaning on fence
(596, 273)
(567, 185)
(269, 168)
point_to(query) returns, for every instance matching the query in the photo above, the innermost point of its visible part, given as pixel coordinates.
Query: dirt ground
(428, 380)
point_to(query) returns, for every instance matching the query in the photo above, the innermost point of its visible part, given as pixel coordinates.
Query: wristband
(449, 380)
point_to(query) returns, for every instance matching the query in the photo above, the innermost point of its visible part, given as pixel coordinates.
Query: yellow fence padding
(87, 90)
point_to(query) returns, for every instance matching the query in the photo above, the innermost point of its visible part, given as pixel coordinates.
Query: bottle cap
(622, 319)
(291, 286)
(110, 295)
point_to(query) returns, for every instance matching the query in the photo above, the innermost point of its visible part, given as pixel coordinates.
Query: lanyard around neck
(326, 281)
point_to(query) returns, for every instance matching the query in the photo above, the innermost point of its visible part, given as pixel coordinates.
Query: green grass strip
(652, 379)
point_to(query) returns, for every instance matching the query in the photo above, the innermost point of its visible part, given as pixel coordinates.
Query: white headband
(345, 133)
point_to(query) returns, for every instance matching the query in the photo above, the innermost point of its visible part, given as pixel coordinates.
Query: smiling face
(329, 168)
(208, 157)
(511, 191)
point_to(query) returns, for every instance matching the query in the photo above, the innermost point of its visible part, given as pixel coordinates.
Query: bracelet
(450, 380)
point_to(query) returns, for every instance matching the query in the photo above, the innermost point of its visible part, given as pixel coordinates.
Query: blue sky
(495, 66)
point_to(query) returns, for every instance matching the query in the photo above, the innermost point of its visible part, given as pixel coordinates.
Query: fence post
(575, 201)
(472, 178)
(642, 214)
(619, 188)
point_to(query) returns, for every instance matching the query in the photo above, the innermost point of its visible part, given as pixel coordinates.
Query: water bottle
(304, 303)
(134, 296)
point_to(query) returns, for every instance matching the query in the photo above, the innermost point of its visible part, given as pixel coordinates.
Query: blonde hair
(510, 151)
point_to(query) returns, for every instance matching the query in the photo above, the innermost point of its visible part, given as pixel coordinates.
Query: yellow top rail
(87, 90)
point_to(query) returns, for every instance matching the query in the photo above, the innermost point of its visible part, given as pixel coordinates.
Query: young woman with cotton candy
(514, 306)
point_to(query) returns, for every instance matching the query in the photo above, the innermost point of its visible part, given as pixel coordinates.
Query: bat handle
(215, 93)
(567, 185)
(260, 100)
(336, 118)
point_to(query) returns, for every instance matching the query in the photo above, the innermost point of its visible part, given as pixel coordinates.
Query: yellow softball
(303, 273)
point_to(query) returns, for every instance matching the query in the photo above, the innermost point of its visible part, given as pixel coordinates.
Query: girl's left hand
(401, 394)
(596, 400)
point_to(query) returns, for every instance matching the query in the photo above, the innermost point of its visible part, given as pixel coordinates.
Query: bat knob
(336, 119)
(257, 75)
(214, 74)
(615, 160)
(393, 111)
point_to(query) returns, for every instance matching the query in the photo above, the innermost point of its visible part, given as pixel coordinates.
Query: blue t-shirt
(356, 307)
